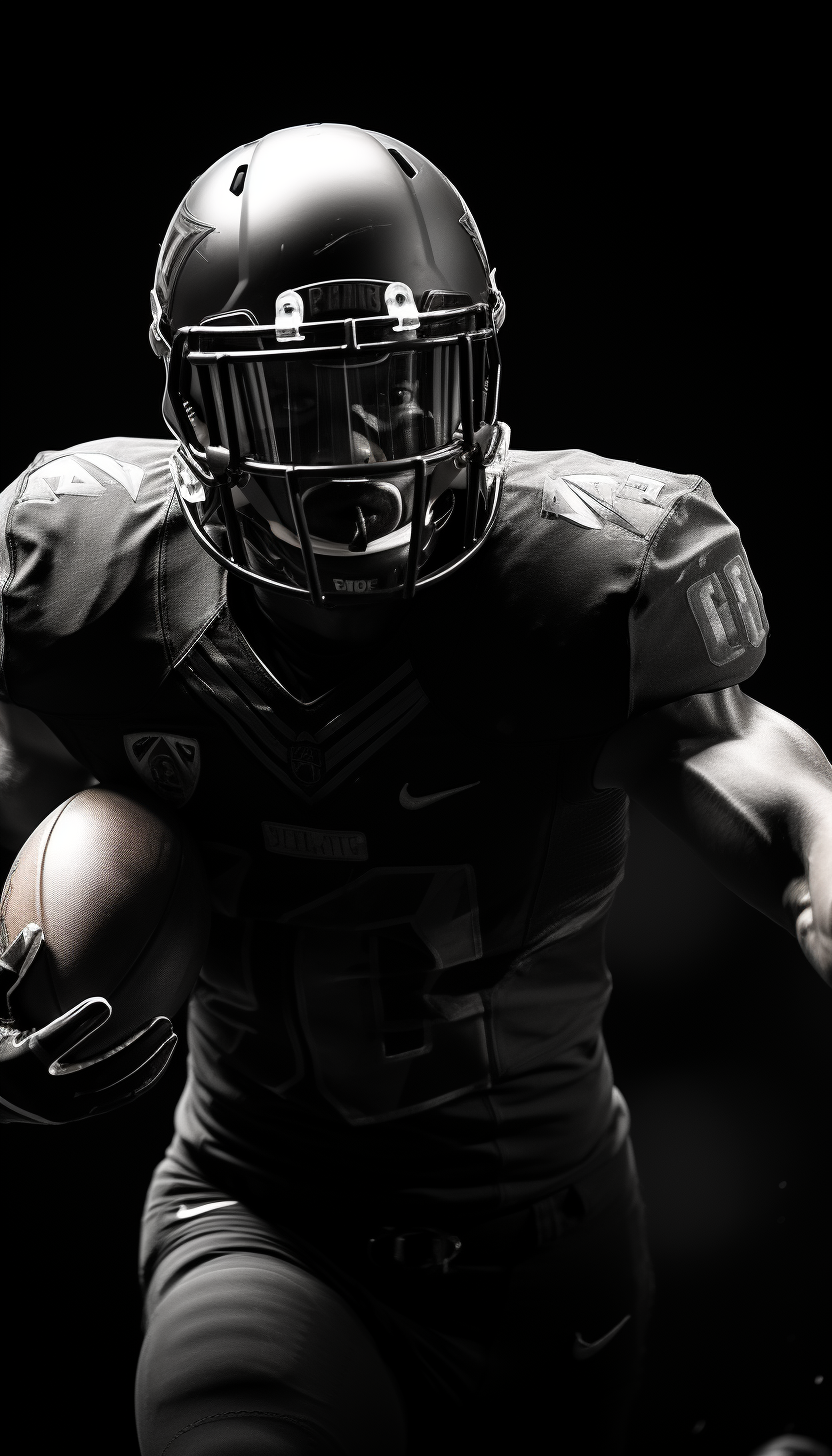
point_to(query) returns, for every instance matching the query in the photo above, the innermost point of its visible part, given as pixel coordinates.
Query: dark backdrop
(652, 235)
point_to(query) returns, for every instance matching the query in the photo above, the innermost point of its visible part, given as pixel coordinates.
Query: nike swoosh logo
(585, 1349)
(421, 801)
(184, 1212)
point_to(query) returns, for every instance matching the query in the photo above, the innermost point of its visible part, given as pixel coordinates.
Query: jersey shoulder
(83, 533)
(592, 491)
(576, 530)
(599, 531)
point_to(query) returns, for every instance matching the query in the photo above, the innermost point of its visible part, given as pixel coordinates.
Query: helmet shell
(321, 203)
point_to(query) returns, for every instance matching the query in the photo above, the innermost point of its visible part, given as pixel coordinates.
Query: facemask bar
(225, 459)
(216, 371)
(297, 481)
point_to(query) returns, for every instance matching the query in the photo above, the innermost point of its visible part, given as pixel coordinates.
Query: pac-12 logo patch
(168, 763)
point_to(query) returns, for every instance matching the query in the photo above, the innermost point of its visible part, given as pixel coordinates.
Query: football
(119, 891)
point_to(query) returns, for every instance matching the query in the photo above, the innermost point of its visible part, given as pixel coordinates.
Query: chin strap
(359, 540)
(495, 458)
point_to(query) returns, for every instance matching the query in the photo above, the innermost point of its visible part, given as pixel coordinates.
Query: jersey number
(382, 1043)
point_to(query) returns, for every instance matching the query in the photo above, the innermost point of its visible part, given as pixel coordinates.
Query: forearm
(750, 790)
(758, 808)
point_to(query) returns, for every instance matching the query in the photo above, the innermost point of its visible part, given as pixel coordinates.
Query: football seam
(57, 813)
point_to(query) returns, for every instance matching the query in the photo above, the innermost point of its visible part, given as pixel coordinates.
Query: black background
(652, 224)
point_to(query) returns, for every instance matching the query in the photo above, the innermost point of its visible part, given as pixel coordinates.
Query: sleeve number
(714, 617)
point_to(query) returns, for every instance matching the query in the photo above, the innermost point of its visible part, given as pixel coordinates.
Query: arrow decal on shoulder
(559, 499)
(81, 474)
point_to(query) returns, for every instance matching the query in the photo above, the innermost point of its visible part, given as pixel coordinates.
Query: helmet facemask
(322, 445)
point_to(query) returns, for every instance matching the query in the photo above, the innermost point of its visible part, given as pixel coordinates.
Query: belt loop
(557, 1213)
(546, 1222)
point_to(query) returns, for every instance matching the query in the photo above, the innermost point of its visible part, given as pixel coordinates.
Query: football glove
(44, 1077)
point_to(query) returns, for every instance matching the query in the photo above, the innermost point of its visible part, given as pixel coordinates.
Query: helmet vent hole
(407, 167)
(239, 181)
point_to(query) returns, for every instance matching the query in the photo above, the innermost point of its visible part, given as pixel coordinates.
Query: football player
(398, 679)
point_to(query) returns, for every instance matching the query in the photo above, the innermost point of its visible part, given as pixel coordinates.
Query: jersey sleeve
(7, 499)
(697, 623)
(80, 535)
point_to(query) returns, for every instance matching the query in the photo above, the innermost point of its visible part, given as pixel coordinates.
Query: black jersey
(411, 870)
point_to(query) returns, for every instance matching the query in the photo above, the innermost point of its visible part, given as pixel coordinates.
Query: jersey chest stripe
(204, 691)
(238, 706)
(341, 719)
(222, 689)
(377, 743)
(400, 705)
(243, 700)
(245, 690)
(236, 696)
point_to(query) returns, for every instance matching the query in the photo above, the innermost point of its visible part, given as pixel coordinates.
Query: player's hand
(43, 1075)
(809, 901)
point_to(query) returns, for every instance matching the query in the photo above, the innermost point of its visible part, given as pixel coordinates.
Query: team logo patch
(168, 763)
(306, 759)
(300, 843)
(81, 474)
(586, 500)
(600, 488)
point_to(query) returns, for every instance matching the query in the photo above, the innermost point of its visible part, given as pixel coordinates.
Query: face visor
(330, 452)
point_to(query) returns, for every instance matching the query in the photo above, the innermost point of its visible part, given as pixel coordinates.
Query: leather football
(119, 891)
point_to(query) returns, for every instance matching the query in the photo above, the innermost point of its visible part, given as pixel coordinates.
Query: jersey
(411, 869)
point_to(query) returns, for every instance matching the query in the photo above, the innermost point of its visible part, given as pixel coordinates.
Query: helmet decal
(473, 232)
(184, 234)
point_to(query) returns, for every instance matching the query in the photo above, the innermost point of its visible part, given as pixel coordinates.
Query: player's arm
(36, 773)
(748, 789)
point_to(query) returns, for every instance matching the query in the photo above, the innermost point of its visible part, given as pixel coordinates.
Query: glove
(42, 1076)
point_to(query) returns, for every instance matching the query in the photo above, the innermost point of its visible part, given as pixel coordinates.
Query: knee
(248, 1341)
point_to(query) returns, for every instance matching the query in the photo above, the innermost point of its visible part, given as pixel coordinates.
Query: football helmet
(328, 322)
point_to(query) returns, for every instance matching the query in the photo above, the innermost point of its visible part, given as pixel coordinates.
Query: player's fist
(44, 1076)
(809, 900)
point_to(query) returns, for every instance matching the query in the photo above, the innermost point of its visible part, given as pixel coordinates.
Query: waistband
(401, 1249)
(509, 1236)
